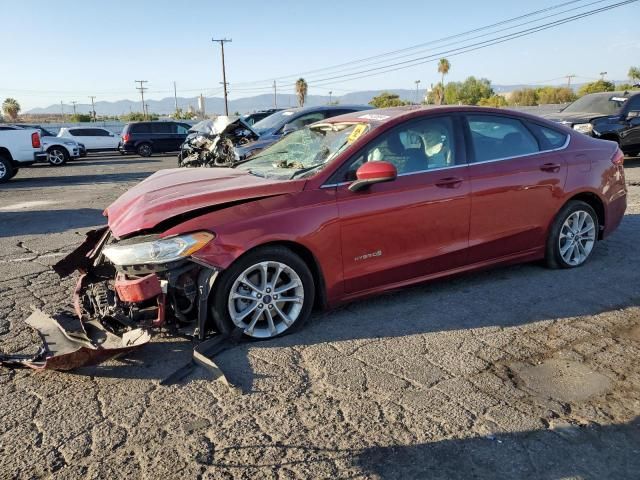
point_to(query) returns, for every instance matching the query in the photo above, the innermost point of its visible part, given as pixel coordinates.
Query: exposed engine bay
(211, 143)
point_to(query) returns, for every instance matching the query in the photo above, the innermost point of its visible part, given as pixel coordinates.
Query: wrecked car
(346, 208)
(212, 143)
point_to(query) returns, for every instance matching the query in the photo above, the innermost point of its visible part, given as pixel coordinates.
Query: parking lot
(519, 372)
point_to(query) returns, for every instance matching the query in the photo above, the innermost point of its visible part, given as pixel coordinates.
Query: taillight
(125, 138)
(618, 158)
(35, 140)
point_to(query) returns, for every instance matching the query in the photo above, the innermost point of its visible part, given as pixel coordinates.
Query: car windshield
(272, 121)
(304, 152)
(609, 104)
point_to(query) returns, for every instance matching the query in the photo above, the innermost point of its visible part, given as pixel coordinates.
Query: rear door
(163, 134)
(517, 178)
(416, 225)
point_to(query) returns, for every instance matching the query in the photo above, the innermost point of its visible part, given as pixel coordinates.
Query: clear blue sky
(67, 50)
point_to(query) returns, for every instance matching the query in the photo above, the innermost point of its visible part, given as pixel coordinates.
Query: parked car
(95, 139)
(145, 138)
(251, 118)
(59, 149)
(349, 207)
(610, 116)
(282, 123)
(19, 147)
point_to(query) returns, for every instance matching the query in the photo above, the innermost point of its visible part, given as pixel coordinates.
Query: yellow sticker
(357, 132)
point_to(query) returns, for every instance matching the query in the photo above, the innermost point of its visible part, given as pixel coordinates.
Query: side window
(78, 132)
(182, 129)
(307, 119)
(496, 137)
(556, 139)
(97, 132)
(634, 106)
(416, 146)
(161, 127)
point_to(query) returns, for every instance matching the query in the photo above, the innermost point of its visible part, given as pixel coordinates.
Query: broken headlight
(159, 251)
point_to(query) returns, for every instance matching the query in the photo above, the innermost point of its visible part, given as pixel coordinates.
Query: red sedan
(349, 207)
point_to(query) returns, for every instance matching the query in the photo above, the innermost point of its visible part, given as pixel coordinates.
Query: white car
(95, 139)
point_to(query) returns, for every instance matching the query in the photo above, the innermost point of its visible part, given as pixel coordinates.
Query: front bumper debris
(75, 345)
(117, 308)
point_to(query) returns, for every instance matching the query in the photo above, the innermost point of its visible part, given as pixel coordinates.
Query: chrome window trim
(468, 164)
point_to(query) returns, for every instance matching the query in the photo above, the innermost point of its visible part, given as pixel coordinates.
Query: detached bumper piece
(75, 344)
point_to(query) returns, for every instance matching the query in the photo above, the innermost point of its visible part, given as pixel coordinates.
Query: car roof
(323, 108)
(617, 93)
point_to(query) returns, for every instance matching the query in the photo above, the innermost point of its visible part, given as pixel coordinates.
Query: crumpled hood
(173, 192)
(573, 117)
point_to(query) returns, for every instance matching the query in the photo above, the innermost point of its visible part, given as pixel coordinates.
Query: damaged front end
(125, 288)
(213, 143)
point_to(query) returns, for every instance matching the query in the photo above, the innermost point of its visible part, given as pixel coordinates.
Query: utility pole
(175, 96)
(93, 108)
(569, 77)
(275, 95)
(62, 110)
(142, 88)
(74, 106)
(602, 74)
(222, 41)
(417, 82)
(330, 92)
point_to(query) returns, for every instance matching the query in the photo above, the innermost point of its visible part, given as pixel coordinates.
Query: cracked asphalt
(517, 372)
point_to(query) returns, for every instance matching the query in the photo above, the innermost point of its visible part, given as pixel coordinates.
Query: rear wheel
(57, 156)
(573, 236)
(144, 150)
(6, 170)
(266, 293)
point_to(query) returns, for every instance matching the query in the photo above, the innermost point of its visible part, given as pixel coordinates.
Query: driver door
(414, 226)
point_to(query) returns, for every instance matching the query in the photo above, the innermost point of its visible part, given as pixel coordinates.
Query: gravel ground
(517, 372)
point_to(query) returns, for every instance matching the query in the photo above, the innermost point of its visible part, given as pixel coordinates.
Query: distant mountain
(248, 104)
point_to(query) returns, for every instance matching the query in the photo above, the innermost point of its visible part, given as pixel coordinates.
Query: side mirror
(373, 172)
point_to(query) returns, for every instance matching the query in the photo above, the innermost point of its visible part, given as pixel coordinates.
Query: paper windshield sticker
(357, 132)
(287, 113)
(373, 116)
(618, 99)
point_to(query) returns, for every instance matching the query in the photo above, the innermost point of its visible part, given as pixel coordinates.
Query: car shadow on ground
(588, 452)
(65, 180)
(93, 162)
(35, 222)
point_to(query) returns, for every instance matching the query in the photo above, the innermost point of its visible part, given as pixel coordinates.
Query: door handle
(550, 167)
(449, 182)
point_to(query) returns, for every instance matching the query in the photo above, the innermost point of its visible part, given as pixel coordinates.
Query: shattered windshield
(607, 104)
(272, 121)
(304, 152)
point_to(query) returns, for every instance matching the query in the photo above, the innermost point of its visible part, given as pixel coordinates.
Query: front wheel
(6, 170)
(266, 293)
(573, 236)
(57, 156)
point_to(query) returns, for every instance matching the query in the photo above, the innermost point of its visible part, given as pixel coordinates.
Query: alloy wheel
(55, 157)
(577, 237)
(3, 171)
(266, 299)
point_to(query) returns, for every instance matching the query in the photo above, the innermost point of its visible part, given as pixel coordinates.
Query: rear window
(77, 132)
(497, 137)
(556, 139)
(162, 128)
(140, 128)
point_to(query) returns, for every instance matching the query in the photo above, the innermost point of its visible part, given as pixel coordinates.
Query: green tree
(301, 91)
(179, 114)
(443, 68)
(554, 95)
(524, 97)
(469, 92)
(494, 101)
(626, 86)
(434, 97)
(634, 74)
(596, 87)
(80, 117)
(11, 108)
(138, 117)
(387, 99)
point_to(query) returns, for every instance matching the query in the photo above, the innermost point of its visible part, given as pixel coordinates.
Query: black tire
(6, 169)
(14, 173)
(144, 150)
(553, 255)
(222, 289)
(57, 156)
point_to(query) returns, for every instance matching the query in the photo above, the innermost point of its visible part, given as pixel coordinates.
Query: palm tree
(443, 68)
(11, 108)
(634, 73)
(301, 91)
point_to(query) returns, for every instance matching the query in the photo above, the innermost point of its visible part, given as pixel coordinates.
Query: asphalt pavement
(516, 372)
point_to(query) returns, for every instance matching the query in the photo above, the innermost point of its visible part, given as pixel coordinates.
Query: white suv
(95, 139)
